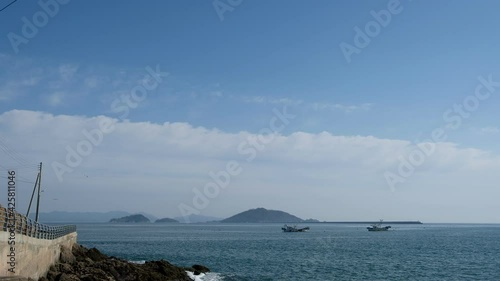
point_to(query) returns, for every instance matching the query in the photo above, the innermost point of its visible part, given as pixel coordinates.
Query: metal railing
(15, 222)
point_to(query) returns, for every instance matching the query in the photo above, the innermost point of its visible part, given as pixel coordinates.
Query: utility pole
(38, 200)
(32, 195)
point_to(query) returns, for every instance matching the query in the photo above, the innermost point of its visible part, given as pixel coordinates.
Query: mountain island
(138, 218)
(261, 215)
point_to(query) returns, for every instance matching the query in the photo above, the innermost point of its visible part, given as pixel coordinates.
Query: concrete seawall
(28, 248)
(33, 256)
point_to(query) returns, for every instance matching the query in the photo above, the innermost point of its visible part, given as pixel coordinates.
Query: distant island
(166, 220)
(261, 215)
(258, 215)
(85, 217)
(138, 218)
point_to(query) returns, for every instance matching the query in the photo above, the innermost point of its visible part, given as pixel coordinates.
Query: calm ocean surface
(262, 252)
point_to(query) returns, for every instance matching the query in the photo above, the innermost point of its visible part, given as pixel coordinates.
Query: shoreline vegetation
(82, 264)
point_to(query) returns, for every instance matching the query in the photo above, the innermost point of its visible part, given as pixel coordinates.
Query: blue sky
(228, 75)
(427, 59)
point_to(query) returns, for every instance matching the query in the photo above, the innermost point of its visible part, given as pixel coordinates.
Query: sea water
(244, 252)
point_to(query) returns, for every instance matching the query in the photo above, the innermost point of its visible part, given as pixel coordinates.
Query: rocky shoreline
(82, 264)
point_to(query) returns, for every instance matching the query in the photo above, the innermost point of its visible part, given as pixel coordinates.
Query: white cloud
(31, 81)
(489, 130)
(7, 91)
(56, 99)
(92, 82)
(53, 83)
(27, 78)
(144, 166)
(67, 71)
(255, 99)
(316, 106)
(271, 100)
(340, 107)
(13, 87)
(217, 94)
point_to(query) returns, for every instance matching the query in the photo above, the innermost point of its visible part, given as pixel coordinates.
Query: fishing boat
(378, 227)
(288, 228)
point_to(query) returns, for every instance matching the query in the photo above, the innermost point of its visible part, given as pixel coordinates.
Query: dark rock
(66, 255)
(92, 265)
(68, 277)
(200, 268)
(95, 255)
(88, 278)
(65, 268)
(52, 274)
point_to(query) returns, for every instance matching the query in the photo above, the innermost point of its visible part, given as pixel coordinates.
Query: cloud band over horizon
(152, 167)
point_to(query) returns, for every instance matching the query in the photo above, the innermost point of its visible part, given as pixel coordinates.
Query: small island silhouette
(137, 218)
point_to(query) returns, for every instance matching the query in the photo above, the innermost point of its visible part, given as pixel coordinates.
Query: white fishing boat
(378, 227)
(288, 228)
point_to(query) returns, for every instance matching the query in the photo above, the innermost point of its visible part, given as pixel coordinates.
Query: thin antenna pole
(32, 195)
(38, 200)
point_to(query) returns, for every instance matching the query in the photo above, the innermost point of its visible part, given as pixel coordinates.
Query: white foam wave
(209, 276)
(138, 262)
